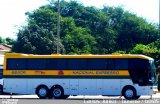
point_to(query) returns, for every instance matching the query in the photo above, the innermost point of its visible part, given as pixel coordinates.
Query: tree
(156, 45)
(119, 52)
(38, 37)
(2, 40)
(9, 41)
(100, 31)
(79, 41)
(41, 41)
(131, 29)
(44, 18)
(140, 49)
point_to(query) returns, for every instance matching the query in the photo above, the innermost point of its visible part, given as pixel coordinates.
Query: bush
(119, 52)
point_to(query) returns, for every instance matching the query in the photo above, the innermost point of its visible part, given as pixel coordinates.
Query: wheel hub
(57, 92)
(129, 93)
(42, 92)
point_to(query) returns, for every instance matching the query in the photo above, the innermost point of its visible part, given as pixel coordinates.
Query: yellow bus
(59, 76)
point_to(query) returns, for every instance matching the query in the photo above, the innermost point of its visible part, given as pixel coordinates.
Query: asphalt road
(33, 99)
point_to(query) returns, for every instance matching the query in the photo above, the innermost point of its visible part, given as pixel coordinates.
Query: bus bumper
(154, 90)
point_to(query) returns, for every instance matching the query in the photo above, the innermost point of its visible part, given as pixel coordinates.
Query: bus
(59, 76)
(1, 74)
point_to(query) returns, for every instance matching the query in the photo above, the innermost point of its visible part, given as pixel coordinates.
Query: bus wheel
(65, 96)
(57, 92)
(129, 93)
(136, 97)
(42, 91)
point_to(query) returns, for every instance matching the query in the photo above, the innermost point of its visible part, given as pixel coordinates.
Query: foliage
(86, 30)
(1, 40)
(119, 52)
(79, 41)
(7, 41)
(41, 41)
(149, 50)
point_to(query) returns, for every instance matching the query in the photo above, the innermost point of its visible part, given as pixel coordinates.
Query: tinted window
(16, 64)
(94, 64)
(56, 64)
(36, 64)
(78, 64)
(138, 64)
(121, 64)
(138, 69)
(110, 64)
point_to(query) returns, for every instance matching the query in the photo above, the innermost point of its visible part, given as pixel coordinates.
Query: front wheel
(130, 93)
(137, 97)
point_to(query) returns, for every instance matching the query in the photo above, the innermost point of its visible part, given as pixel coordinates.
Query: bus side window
(56, 64)
(97, 64)
(36, 64)
(51, 64)
(121, 64)
(110, 64)
(77, 64)
(16, 64)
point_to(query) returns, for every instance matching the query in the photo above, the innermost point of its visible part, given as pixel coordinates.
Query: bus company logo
(39, 72)
(60, 73)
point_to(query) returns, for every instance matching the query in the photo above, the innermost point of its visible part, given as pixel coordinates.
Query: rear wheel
(65, 96)
(42, 91)
(57, 92)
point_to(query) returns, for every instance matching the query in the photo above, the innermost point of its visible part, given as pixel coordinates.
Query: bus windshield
(142, 72)
(152, 77)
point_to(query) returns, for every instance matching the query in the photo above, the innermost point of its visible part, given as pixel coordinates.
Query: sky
(12, 12)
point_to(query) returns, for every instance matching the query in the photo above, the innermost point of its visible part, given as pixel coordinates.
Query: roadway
(33, 99)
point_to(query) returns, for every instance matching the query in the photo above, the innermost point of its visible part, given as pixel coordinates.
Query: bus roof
(18, 55)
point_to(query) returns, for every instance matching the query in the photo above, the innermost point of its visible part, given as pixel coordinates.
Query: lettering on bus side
(107, 72)
(83, 72)
(18, 72)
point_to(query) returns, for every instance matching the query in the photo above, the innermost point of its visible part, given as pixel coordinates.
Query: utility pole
(58, 28)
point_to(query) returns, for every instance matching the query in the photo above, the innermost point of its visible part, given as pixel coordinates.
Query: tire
(136, 97)
(57, 92)
(42, 91)
(65, 96)
(129, 93)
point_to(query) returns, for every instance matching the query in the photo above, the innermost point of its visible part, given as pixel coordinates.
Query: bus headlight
(154, 89)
